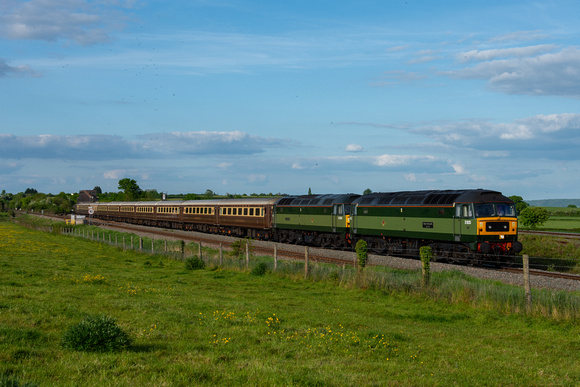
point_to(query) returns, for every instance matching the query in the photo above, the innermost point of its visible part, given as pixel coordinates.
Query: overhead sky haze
(263, 96)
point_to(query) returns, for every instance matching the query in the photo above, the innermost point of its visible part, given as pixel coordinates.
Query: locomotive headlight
(502, 237)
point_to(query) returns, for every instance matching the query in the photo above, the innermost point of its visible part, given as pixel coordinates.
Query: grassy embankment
(557, 253)
(225, 326)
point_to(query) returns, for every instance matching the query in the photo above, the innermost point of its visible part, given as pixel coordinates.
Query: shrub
(96, 334)
(239, 248)
(6, 381)
(361, 253)
(194, 263)
(260, 269)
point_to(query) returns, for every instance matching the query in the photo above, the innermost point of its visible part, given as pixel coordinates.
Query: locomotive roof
(316, 200)
(431, 197)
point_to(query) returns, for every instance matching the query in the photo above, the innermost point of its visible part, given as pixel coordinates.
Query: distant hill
(553, 202)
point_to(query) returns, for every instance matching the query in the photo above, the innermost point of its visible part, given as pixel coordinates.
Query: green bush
(194, 263)
(96, 334)
(6, 381)
(361, 253)
(260, 269)
(239, 248)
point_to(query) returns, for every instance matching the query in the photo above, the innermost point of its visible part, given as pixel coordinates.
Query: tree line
(129, 190)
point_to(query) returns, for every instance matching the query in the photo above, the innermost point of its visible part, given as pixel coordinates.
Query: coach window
(251, 212)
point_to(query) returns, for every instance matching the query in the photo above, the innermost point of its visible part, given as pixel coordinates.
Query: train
(473, 225)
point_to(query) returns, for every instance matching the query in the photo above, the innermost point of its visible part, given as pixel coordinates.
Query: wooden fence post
(306, 262)
(247, 255)
(140, 244)
(221, 254)
(199, 250)
(527, 287)
(152, 246)
(275, 257)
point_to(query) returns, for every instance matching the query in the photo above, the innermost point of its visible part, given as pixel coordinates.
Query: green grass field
(227, 327)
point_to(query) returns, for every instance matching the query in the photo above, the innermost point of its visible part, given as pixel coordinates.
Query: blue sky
(265, 96)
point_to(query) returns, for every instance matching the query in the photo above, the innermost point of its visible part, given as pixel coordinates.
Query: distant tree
(98, 190)
(534, 216)
(209, 194)
(519, 202)
(572, 206)
(309, 191)
(130, 188)
(367, 191)
(152, 194)
(30, 191)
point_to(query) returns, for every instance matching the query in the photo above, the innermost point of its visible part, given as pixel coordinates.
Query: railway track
(543, 273)
(569, 235)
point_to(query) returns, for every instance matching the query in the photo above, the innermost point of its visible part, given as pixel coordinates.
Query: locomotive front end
(497, 228)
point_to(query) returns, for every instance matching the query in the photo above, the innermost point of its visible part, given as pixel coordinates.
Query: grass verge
(217, 326)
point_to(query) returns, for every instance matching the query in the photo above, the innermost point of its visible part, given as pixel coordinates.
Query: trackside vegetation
(222, 325)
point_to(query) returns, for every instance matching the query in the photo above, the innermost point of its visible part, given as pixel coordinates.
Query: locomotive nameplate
(427, 224)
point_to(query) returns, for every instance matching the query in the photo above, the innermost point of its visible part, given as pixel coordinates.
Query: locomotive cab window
(463, 211)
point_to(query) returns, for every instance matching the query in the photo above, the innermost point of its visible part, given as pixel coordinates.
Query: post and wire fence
(516, 299)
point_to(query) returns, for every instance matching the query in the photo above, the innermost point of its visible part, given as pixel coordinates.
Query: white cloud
(519, 52)
(18, 71)
(115, 174)
(459, 169)
(554, 136)
(84, 22)
(203, 142)
(551, 73)
(155, 145)
(354, 148)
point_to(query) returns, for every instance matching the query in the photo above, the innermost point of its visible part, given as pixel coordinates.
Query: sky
(286, 96)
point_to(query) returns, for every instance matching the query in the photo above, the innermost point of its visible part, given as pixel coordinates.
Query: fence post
(199, 250)
(131, 242)
(152, 246)
(165, 246)
(247, 255)
(182, 245)
(116, 241)
(426, 255)
(140, 244)
(527, 288)
(221, 254)
(306, 259)
(275, 257)
(123, 242)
